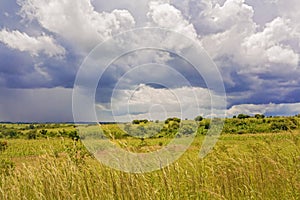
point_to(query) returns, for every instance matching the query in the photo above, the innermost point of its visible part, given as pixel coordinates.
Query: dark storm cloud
(63, 72)
(19, 70)
(36, 105)
(14, 66)
(188, 71)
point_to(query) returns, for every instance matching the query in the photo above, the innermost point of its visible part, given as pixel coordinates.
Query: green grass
(260, 166)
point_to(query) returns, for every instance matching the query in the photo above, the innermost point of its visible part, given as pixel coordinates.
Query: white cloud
(232, 13)
(229, 30)
(289, 9)
(164, 15)
(248, 109)
(266, 46)
(77, 21)
(277, 109)
(240, 46)
(151, 103)
(279, 54)
(34, 45)
(225, 27)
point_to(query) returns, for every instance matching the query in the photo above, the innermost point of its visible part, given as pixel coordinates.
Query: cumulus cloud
(267, 109)
(34, 45)
(76, 21)
(225, 27)
(230, 31)
(251, 56)
(267, 46)
(282, 55)
(219, 18)
(164, 15)
(159, 103)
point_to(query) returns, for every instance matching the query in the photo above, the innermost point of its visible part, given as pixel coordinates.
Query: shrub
(10, 133)
(187, 130)
(207, 125)
(32, 135)
(43, 132)
(74, 135)
(243, 116)
(199, 118)
(3, 145)
(175, 119)
(136, 121)
(279, 126)
(145, 121)
(259, 116)
(31, 126)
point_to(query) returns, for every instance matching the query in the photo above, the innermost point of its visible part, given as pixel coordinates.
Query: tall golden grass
(240, 167)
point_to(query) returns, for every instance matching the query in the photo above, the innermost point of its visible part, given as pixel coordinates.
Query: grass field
(248, 166)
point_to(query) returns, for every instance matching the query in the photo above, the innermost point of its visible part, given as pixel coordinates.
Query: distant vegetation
(242, 124)
(35, 131)
(171, 127)
(260, 124)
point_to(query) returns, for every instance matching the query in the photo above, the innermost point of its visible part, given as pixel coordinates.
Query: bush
(175, 119)
(243, 116)
(43, 132)
(145, 121)
(187, 130)
(207, 125)
(32, 135)
(259, 116)
(31, 126)
(279, 126)
(74, 135)
(3, 145)
(136, 121)
(199, 118)
(10, 133)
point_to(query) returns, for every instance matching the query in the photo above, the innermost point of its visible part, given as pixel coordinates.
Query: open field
(247, 166)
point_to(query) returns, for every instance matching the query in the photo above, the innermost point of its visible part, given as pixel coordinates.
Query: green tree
(259, 116)
(199, 118)
(243, 116)
(136, 121)
(175, 119)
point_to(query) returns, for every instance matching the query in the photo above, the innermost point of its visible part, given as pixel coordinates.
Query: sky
(44, 44)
